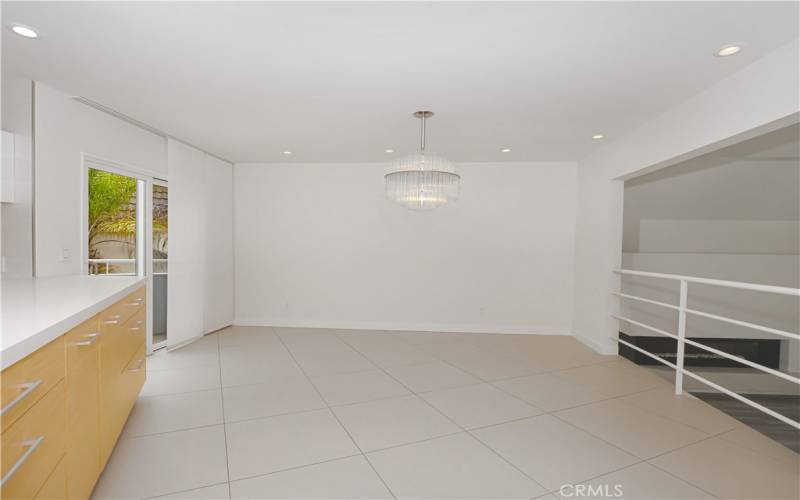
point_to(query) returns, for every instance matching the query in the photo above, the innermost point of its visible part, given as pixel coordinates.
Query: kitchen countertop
(36, 311)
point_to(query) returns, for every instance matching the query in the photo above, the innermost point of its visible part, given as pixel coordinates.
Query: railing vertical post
(681, 336)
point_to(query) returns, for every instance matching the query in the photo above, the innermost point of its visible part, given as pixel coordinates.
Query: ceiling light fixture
(505, 150)
(390, 150)
(422, 181)
(287, 152)
(598, 136)
(728, 50)
(24, 31)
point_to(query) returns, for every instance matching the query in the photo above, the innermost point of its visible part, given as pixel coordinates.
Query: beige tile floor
(269, 413)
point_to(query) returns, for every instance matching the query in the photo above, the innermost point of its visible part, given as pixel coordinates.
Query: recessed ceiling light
(729, 50)
(287, 152)
(390, 150)
(598, 136)
(505, 150)
(25, 31)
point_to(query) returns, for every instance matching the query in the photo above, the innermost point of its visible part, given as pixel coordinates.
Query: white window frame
(144, 210)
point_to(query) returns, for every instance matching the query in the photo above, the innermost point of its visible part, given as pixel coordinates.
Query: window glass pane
(112, 223)
(160, 255)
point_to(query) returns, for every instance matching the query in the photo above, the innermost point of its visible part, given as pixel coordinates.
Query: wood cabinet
(83, 408)
(64, 406)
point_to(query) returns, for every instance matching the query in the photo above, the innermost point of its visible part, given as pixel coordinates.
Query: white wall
(187, 237)
(319, 245)
(724, 202)
(762, 96)
(200, 289)
(218, 244)
(16, 219)
(65, 128)
(779, 237)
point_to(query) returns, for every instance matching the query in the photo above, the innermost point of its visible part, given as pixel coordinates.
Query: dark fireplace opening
(765, 352)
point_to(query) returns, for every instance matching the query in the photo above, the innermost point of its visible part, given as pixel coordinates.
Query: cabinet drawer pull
(138, 366)
(92, 339)
(111, 322)
(29, 388)
(32, 444)
(135, 303)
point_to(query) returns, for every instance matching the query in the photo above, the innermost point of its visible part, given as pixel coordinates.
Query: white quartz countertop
(37, 311)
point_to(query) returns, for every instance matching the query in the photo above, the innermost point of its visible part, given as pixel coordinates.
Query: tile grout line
(335, 416)
(464, 430)
(224, 425)
(678, 477)
(296, 467)
(468, 431)
(186, 491)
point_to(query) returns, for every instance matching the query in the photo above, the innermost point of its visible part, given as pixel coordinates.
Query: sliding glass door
(126, 234)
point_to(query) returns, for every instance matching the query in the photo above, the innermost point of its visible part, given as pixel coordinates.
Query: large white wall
(760, 97)
(64, 129)
(319, 245)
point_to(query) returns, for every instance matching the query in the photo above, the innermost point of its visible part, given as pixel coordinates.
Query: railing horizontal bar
(746, 362)
(102, 261)
(648, 327)
(642, 299)
(744, 400)
(754, 326)
(724, 354)
(657, 358)
(710, 281)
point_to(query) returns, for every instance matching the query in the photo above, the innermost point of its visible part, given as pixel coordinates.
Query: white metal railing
(94, 266)
(681, 339)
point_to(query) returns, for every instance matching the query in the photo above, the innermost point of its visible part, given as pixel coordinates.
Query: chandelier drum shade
(422, 181)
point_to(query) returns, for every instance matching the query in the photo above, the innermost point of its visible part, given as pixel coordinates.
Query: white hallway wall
(760, 97)
(319, 245)
(65, 128)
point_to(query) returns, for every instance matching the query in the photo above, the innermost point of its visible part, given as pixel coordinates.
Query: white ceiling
(338, 81)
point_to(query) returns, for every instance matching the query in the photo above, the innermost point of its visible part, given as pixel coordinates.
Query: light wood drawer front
(110, 380)
(133, 333)
(82, 342)
(33, 446)
(55, 486)
(119, 389)
(133, 378)
(122, 310)
(29, 379)
(83, 419)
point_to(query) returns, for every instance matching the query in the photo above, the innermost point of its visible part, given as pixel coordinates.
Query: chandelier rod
(422, 133)
(423, 116)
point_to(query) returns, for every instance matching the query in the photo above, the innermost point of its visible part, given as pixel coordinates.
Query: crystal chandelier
(422, 181)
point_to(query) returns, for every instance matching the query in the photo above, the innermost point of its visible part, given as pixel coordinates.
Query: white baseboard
(606, 349)
(405, 327)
